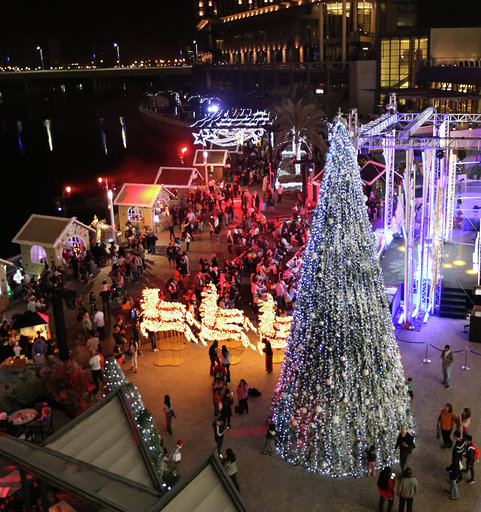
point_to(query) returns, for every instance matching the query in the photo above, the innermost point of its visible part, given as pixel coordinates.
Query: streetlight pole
(205, 171)
(41, 56)
(118, 53)
(110, 203)
(195, 51)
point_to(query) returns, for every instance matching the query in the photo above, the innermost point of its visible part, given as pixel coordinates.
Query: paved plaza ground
(269, 483)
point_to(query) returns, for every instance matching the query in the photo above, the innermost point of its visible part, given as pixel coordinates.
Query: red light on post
(68, 189)
(182, 152)
(100, 180)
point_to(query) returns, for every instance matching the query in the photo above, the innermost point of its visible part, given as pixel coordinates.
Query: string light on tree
(341, 386)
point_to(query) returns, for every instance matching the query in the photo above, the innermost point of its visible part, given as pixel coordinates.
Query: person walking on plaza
(446, 421)
(219, 429)
(227, 401)
(230, 466)
(225, 360)
(405, 443)
(99, 321)
(175, 455)
(214, 358)
(169, 413)
(133, 351)
(371, 460)
(242, 396)
(270, 439)
(459, 450)
(447, 358)
(105, 293)
(454, 476)
(385, 487)
(216, 400)
(471, 452)
(93, 343)
(39, 348)
(268, 352)
(95, 363)
(407, 490)
(280, 191)
(464, 419)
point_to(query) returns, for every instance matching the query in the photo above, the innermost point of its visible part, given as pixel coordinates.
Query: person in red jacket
(385, 487)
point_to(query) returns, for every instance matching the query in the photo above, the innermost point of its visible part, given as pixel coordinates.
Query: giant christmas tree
(341, 387)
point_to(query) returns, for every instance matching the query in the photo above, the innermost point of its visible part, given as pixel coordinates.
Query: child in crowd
(371, 460)
(409, 385)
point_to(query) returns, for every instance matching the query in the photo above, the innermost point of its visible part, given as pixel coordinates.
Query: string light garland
(222, 324)
(232, 127)
(341, 386)
(271, 326)
(114, 378)
(159, 315)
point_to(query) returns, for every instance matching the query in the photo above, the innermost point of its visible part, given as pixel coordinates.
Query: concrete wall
(362, 86)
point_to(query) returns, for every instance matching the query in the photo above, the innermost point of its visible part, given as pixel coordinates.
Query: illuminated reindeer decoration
(222, 324)
(272, 327)
(158, 315)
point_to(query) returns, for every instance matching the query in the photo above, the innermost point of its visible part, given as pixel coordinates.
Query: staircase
(453, 303)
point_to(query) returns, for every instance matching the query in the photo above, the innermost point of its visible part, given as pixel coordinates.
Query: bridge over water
(38, 85)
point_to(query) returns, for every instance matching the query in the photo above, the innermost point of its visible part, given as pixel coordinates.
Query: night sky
(72, 31)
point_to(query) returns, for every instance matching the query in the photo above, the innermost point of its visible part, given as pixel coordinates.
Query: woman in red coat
(385, 487)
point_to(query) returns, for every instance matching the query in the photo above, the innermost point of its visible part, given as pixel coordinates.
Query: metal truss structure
(428, 141)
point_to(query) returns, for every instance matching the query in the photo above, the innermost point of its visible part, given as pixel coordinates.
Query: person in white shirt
(95, 363)
(99, 322)
(17, 349)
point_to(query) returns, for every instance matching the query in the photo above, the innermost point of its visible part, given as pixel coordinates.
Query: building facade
(283, 32)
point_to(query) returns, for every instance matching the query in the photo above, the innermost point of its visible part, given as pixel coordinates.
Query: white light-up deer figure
(222, 324)
(272, 327)
(158, 315)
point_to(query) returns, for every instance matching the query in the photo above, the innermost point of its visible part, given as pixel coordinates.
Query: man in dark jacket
(459, 449)
(470, 457)
(405, 443)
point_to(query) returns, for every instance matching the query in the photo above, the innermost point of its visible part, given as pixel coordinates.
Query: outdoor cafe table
(22, 417)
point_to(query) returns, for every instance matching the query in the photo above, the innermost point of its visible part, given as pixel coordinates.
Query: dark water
(44, 150)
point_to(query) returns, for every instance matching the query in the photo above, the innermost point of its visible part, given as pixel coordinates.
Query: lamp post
(41, 56)
(205, 170)
(118, 53)
(110, 203)
(195, 50)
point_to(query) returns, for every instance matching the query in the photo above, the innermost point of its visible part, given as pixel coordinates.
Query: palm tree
(299, 123)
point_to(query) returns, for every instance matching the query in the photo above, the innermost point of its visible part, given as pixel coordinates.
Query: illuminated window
(201, 4)
(336, 9)
(134, 213)
(38, 254)
(201, 13)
